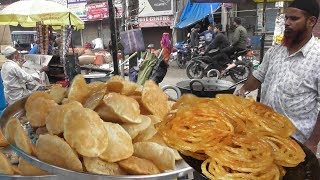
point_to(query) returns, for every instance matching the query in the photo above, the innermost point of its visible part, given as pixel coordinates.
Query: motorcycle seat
(239, 53)
(213, 51)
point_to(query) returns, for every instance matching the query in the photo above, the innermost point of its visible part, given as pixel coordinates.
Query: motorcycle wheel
(181, 61)
(195, 70)
(240, 73)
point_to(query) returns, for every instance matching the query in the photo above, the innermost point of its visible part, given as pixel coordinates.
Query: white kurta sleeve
(20, 73)
(261, 72)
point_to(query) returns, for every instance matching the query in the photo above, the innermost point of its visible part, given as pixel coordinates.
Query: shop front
(155, 19)
(154, 26)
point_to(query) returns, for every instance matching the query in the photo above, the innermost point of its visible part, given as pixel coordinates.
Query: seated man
(14, 77)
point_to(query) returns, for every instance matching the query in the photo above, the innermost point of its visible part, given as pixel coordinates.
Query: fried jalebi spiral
(257, 116)
(287, 152)
(237, 138)
(196, 128)
(265, 119)
(214, 170)
(245, 154)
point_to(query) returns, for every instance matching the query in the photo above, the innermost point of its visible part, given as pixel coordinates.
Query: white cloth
(98, 43)
(291, 85)
(14, 81)
(8, 51)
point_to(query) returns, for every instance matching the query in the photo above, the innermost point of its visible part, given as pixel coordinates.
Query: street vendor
(14, 77)
(290, 73)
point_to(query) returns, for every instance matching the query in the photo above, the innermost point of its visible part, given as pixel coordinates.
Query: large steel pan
(17, 110)
(309, 169)
(204, 87)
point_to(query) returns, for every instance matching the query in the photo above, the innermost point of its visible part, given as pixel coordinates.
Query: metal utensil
(17, 110)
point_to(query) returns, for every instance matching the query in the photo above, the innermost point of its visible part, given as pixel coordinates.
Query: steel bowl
(17, 110)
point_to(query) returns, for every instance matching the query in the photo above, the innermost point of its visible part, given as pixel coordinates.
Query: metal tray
(17, 110)
(307, 170)
(8, 150)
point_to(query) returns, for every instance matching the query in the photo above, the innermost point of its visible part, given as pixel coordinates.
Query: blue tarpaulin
(220, 1)
(194, 12)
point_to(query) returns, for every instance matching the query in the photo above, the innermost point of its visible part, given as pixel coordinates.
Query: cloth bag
(132, 41)
(159, 71)
(146, 68)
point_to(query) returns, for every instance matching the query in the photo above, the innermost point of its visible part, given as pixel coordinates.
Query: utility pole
(263, 37)
(133, 9)
(114, 44)
(124, 28)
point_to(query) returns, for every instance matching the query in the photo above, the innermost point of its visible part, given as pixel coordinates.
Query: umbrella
(28, 13)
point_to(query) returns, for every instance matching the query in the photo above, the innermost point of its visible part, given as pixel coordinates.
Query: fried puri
(54, 150)
(85, 132)
(16, 135)
(55, 119)
(120, 143)
(154, 99)
(138, 166)
(119, 109)
(38, 111)
(98, 166)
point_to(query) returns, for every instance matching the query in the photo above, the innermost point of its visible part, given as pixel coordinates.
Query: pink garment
(165, 41)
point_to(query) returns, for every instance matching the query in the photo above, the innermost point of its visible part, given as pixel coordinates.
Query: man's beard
(294, 37)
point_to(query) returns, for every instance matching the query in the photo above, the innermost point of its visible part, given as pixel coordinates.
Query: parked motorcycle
(238, 70)
(183, 54)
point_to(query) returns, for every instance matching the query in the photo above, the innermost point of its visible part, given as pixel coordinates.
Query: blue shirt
(34, 50)
(208, 36)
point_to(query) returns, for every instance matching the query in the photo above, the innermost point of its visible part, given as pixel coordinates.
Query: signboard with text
(97, 11)
(155, 7)
(92, 11)
(156, 21)
(78, 7)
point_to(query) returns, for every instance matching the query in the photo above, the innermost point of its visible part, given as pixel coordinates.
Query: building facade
(155, 18)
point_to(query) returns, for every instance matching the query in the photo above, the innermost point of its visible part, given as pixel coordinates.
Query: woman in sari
(166, 46)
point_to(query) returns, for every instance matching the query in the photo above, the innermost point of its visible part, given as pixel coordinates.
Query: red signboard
(156, 21)
(97, 11)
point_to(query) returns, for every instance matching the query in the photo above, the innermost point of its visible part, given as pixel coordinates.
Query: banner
(155, 7)
(97, 11)
(279, 29)
(78, 7)
(156, 21)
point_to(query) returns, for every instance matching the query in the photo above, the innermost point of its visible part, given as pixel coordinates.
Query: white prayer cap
(8, 51)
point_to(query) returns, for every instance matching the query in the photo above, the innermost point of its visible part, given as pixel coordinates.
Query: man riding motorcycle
(220, 41)
(239, 39)
(218, 56)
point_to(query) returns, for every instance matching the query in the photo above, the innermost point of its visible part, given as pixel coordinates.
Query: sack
(132, 41)
(159, 71)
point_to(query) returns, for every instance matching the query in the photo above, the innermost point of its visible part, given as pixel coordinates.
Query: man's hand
(311, 145)
(44, 68)
(240, 92)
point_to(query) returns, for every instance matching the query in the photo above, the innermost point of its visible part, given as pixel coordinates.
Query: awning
(194, 12)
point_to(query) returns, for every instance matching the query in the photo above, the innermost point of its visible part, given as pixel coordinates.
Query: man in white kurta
(14, 77)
